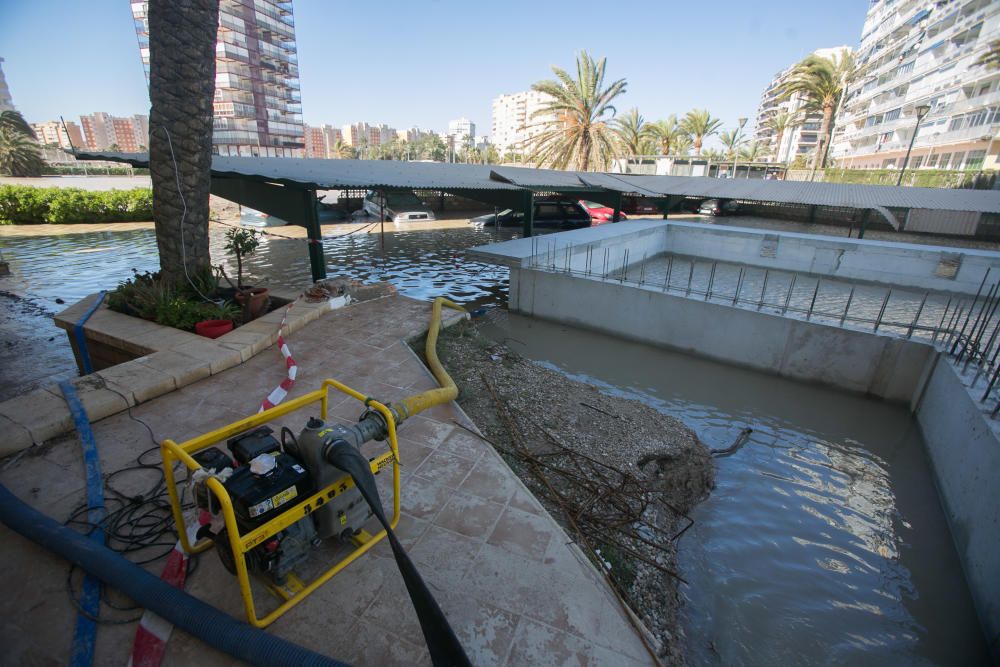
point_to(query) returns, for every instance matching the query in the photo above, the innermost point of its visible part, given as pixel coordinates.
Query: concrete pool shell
(559, 279)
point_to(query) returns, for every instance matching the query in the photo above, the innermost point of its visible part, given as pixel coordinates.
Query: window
(917, 161)
(955, 124)
(906, 67)
(892, 115)
(889, 164)
(978, 118)
(985, 89)
(956, 160)
(975, 160)
(945, 160)
(548, 212)
(932, 161)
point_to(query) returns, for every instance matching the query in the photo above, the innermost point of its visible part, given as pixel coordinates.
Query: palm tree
(632, 132)
(991, 58)
(182, 36)
(576, 132)
(682, 144)
(780, 123)
(14, 121)
(733, 140)
(341, 151)
(751, 151)
(666, 134)
(821, 81)
(19, 154)
(715, 155)
(700, 124)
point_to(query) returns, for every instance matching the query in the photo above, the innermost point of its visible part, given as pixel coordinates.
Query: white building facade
(513, 125)
(802, 137)
(915, 53)
(462, 131)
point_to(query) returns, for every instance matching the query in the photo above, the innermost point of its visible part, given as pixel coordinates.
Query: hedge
(927, 178)
(24, 204)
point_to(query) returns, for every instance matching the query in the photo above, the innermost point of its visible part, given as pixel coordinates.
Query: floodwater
(824, 541)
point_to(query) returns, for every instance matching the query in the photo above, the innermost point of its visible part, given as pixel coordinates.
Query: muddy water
(824, 541)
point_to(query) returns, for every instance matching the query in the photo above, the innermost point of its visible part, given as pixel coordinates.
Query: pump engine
(266, 477)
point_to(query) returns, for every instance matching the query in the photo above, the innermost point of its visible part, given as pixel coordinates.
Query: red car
(599, 213)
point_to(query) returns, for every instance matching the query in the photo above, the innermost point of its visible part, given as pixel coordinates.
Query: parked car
(552, 213)
(640, 206)
(718, 207)
(599, 213)
(398, 206)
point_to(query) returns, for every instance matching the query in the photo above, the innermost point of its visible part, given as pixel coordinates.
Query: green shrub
(24, 204)
(143, 295)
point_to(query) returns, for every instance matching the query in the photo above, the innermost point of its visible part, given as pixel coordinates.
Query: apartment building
(6, 103)
(363, 134)
(461, 131)
(512, 125)
(52, 133)
(319, 141)
(801, 138)
(258, 104)
(922, 53)
(102, 132)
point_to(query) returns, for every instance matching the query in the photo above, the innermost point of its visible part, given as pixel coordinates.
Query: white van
(398, 207)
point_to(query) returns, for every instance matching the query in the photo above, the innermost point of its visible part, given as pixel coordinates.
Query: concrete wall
(919, 267)
(882, 366)
(965, 455)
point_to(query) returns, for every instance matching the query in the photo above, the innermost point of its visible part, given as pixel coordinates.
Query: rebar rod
(642, 270)
(788, 297)
(975, 325)
(850, 298)
(881, 312)
(739, 284)
(944, 315)
(670, 266)
(711, 282)
(812, 304)
(690, 278)
(920, 310)
(624, 275)
(763, 290)
(969, 313)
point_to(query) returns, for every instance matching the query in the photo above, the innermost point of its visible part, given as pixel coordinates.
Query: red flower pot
(253, 300)
(213, 328)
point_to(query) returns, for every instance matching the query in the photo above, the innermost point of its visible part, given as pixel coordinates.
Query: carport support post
(618, 206)
(315, 234)
(864, 220)
(529, 213)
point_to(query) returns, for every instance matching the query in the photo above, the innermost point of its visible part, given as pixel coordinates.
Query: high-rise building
(53, 133)
(462, 131)
(102, 131)
(320, 141)
(513, 123)
(258, 106)
(801, 138)
(364, 135)
(915, 53)
(6, 103)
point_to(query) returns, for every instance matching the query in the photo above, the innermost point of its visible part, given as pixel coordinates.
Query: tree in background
(821, 81)
(714, 154)
(341, 151)
(576, 132)
(634, 136)
(699, 124)
(19, 151)
(667, 135)
(752, 151)
(182, 36)
(779, 123)
(682, 144)
(733, 140)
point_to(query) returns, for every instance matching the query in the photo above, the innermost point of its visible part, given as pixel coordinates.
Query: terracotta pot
(253, 301)
(213, 328)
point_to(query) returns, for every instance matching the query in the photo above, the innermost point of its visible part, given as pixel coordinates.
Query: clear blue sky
(424, 63)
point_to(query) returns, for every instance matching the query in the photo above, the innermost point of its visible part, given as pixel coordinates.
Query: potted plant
(242, 243)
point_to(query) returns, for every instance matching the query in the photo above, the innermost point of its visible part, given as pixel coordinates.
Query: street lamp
(921, 112)
(736, 154)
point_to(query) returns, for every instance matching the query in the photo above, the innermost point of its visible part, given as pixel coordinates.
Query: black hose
(190, 614)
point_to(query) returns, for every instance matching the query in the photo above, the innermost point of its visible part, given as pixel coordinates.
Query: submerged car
(600, 213)
(558, 214)
(718, 207)
(396, 206)
(640, 206)
(250, 217)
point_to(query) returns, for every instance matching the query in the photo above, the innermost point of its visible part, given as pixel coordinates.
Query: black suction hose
(195, 617)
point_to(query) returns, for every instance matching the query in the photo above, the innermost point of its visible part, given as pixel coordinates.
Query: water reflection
(421, 262)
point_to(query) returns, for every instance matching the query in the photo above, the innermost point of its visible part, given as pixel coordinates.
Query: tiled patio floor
(513, 589)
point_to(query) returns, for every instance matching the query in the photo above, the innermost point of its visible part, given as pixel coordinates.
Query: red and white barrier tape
(153, 631)
(281, 391)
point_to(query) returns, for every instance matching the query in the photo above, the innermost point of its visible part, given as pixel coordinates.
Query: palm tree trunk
(825, 129)
(697, 145)
(777, 145)
(182, 37)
